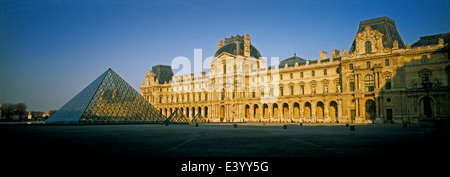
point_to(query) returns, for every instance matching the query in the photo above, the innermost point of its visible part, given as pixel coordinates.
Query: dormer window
(368, 47)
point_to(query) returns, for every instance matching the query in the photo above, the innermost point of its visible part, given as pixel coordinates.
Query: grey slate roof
(431, 40)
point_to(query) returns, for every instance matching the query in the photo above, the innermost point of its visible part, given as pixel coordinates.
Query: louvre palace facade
(380, 79)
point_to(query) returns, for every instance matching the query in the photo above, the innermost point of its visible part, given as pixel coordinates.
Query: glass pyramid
(107, 100)
(177, 117)
(199, 118)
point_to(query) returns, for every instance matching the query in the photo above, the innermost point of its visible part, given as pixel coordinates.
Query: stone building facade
(379, 80)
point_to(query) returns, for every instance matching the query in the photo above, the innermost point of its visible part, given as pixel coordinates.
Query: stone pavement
(222, 140)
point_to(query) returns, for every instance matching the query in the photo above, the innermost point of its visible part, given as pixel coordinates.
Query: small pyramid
(177, 117)
(107, 100)
(199, 118)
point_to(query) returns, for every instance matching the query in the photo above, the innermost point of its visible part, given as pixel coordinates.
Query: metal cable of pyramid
(107, 100)
(177, 117)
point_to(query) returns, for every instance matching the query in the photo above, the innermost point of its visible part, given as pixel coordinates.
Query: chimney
(335, 53)
(220, 44)
(323, 54)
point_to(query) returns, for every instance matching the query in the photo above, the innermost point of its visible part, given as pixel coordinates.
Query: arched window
(368, 47)
(369, 82)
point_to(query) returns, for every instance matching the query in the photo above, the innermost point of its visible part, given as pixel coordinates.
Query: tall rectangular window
(424, 59)
(291, 75)
(386, 62)
(301, 74)
(302, 89)
(350, 66)
(369, 82)
(313, 73)
(352, 84)
(388, 82)
(368, 64)
(325, 72)
(291, 90)
(281, 91)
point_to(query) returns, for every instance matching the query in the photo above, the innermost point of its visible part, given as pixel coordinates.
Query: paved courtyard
(223, 140)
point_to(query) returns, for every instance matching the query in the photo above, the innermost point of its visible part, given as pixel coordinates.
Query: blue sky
(51, 50)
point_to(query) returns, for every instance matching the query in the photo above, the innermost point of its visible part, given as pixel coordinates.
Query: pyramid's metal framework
(199, 118)
(107, 100)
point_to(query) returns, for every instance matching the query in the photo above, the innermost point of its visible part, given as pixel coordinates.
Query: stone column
(326, 115)
(313, 112)
(300, 111)
(339, 107)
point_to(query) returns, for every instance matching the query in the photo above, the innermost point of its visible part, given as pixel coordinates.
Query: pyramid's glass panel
(117, 102)
(71, 112)
(114, 101)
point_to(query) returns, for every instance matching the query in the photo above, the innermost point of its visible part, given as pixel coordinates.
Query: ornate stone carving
(395, 45)
(369, 34)
(247, 45)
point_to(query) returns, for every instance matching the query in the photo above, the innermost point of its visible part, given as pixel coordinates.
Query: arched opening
(187, 112)
(320, 110)
(182, 110)
(247, 111)
(222, 113)
(165, 112)
(275, 110)
(307, 112)
(285, 110)
(193, 112)
(296, 110)
(170, 112)
(199, 110)
(265, 111)
(206, 111)
(371, 109)
(255, 111)
(426, 107)
(333, 110)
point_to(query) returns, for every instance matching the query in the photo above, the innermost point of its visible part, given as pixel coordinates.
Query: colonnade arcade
(315, 111)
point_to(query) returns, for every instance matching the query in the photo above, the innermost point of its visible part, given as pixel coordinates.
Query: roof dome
(292, 60)
(231, 47)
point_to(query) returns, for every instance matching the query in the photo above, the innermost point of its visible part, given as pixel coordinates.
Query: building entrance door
(389, 114)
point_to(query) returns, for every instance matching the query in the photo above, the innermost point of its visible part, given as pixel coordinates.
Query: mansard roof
(384, 25)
